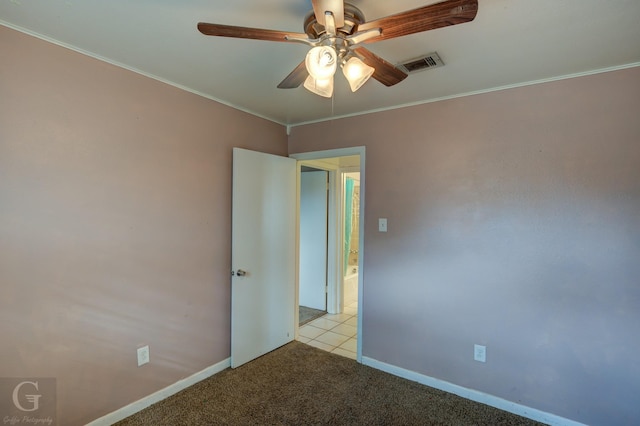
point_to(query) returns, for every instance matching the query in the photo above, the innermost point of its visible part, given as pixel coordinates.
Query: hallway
(336, 333)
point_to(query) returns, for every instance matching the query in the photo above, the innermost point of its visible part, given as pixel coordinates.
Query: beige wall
(513, 222)
(114, 225)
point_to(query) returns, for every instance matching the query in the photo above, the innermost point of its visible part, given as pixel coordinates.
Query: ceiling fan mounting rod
(330, 23)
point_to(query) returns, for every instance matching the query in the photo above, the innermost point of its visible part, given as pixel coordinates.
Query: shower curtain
(348, 218)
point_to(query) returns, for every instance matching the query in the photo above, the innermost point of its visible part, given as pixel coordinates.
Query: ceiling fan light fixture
(322, 87)
(356, 72)
(321, 62)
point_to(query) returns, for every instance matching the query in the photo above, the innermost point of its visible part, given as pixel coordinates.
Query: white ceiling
(511, 42)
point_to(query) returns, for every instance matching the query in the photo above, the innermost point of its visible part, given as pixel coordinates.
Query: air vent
(426, 62)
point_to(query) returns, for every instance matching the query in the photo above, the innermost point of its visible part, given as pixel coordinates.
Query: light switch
(382, 224)
(480, 353)
(143, 355)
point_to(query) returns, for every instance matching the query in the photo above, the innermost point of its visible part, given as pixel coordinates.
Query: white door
(313, 239)
(262, 254)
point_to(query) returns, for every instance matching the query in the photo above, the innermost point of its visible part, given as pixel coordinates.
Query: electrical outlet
(143, 355)
(480, 353)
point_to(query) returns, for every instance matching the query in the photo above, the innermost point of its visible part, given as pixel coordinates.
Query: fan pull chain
(333, 116)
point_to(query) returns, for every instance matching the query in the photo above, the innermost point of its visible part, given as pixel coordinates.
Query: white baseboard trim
(473, 395)
(158, 396)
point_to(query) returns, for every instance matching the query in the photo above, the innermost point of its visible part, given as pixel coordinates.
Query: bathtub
(350, 285)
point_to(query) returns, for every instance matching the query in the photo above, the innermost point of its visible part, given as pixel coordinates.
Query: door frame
(335, 246)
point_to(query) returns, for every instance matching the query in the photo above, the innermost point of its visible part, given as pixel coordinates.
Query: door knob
(239, 273)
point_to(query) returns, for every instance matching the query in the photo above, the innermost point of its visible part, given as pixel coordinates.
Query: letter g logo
(33, 399)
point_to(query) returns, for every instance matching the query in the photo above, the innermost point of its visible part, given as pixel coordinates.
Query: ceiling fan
(336, 30)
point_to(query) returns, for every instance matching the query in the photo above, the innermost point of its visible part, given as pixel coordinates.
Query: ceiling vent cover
(426, 62)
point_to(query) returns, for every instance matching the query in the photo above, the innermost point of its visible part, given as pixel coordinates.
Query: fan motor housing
(353, 17)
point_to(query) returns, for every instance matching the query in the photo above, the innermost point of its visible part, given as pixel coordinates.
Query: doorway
(339, 330)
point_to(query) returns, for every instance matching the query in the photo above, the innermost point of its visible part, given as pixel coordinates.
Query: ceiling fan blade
(295, 78)
(245, 32)
(443, 14)
(336, 7)
(385, 72)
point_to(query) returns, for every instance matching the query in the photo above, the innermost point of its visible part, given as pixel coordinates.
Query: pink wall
(514, 222)
(115, 214)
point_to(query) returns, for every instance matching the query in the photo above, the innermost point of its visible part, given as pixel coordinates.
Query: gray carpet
(301, 385)
(306, 314)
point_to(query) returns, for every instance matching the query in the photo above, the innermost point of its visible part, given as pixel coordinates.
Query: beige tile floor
(336, 333)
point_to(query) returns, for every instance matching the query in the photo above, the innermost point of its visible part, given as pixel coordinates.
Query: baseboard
(473, 395)
(158, 396)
